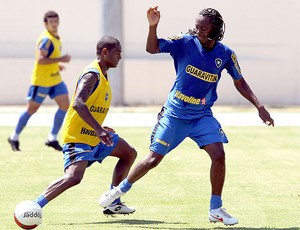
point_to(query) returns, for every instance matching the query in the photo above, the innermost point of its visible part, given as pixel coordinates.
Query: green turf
(262, 187)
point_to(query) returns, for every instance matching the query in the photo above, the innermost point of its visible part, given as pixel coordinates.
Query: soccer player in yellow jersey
(85, 139)
(46, 80)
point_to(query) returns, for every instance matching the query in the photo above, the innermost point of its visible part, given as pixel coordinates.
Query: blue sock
(41, 200)
(58, 120)
(215, 202)
(117, 200)
(125, 185)
(24, 117)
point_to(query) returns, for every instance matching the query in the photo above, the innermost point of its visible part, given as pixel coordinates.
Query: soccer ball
(28, 214)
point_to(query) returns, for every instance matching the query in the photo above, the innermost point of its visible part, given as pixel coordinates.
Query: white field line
(145, 119)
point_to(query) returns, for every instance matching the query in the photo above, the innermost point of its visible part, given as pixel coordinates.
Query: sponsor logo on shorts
(42, 95)
(162, 142)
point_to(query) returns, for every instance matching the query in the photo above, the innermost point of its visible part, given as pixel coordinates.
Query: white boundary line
(145, 119)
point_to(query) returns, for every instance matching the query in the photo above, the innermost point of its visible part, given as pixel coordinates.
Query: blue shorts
(169, 132)
(75, 152)
(39, 93)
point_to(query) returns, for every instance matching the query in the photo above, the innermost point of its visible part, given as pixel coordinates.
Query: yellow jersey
(75, 129)
(48, 74)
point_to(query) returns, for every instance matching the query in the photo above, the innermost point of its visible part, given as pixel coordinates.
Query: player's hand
(153, 16)
(265, 116)
(109, 129)
(66, 58)
(105, 136)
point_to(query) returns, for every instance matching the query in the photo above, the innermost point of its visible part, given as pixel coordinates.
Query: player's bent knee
(133, 154)
(32, 111)
(128, 154)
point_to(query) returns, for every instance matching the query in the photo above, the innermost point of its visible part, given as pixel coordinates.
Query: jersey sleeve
(91, 70)
(170, 45)
(165, 46)
(43, 44)
(233, 67)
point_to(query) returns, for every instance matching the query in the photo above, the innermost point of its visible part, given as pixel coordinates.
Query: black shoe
(14, 144)
(54, 144)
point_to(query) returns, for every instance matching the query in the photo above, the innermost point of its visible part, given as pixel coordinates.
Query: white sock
(14, 136)
(52, 137)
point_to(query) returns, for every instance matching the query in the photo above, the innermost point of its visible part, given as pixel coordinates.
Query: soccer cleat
(54, 144)
(220, 215)
(14, 144)
(118, 208)
(110, 196)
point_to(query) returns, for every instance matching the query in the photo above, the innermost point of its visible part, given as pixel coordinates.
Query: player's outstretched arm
(153, 16)
(245, 90)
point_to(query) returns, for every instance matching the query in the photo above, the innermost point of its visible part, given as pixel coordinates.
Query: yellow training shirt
(76, 130)
(47, 75)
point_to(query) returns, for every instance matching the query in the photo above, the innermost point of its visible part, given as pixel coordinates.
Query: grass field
(262, 187)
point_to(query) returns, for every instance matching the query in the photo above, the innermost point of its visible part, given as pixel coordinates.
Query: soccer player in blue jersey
(46, 80)
(199, 59)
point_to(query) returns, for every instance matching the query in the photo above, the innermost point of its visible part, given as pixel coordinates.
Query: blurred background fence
(264, 35)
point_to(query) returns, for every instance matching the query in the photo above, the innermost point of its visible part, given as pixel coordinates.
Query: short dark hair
(50, 14)
(217, 20)
(108, 42)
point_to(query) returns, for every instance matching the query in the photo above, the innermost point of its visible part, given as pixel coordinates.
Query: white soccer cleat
(220, 215)
(118, 208)
(110, 196)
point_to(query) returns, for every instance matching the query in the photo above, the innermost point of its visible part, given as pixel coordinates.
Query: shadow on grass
(245, 228)
(133, 223)
(153, 224)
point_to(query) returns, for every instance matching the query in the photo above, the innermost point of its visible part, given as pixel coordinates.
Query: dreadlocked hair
(217, 20)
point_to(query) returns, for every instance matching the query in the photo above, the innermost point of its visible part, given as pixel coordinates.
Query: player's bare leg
(73, 176)
(13, 140)
(218, 167)
(63, 105)
(126, 155)
(62, 101)
(141, 169)
(217, 178)
(144, 166)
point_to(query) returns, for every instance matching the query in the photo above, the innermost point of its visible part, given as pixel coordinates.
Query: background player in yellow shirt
(46, 80)
(85, 139)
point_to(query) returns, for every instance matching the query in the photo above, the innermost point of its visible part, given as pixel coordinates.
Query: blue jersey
(198, 72)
